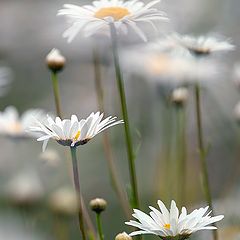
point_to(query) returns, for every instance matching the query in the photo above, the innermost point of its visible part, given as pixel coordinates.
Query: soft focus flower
(50, 157)
(25, 189)
(55, 60)
(169, 223)
(162, 67)
(202, 45)
(72, 132)
(64, 202)
(95, 18)
(13, 125)
(5, 80)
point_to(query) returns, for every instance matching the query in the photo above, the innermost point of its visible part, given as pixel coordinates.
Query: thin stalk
(56, 94)
(99, 226)
(181, 146)
(117, 185)
(203, 153)
(78, 192)
(119, 78)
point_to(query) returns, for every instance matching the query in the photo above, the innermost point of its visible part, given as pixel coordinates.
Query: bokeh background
(28, 31)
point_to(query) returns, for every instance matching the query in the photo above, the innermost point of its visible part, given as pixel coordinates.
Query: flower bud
(55, 61)
(180, 96)
(98, 205)
(123, 236)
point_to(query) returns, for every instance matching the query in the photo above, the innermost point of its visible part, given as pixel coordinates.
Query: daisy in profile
(95, 18)
(73, 132)
(202, 45)
(170, 224)
(14, 125)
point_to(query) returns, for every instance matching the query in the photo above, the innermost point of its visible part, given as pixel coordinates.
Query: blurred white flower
(64, 201)
(162, 67)
(25, 189)
(71, 132)
(168, 223)
(13, 125)
(202, 45)
(95, 18)
(50, 157)
(180, 95)
(5, 80)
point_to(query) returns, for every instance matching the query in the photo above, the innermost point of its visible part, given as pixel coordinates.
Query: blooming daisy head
(95, 18)
(73, 132)
(201, 46)
(14, 125)
(169, 223)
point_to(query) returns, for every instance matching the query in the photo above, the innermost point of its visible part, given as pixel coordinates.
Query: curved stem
(56, 94)
(78, 192)
(131, 163)
(203, 153)
(117, 185)
(99, 226)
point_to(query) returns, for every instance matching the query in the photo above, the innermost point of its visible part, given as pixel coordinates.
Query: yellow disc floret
(77, 136)
(167, 226)
(116, 13)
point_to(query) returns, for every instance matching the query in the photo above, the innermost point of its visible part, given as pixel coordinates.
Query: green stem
(78, 192)
(203, 153)
(56, 94)
(181, 146)
(106, 141)
(99, 226)
(131, 163)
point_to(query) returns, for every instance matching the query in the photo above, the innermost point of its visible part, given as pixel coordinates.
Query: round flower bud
(180, 96)
(123, 236)
(98, 205)
(55, 61)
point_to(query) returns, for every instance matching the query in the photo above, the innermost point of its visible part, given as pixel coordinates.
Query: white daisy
(95, 18)
(72, 132)
(169, 223)
(200, 46)
(14, 125)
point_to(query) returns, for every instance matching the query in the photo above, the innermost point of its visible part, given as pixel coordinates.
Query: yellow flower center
(167, 226)
(116, 13)
(15, 127)
(77, 135)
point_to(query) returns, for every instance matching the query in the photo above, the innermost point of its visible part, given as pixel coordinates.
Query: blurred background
(28, 31)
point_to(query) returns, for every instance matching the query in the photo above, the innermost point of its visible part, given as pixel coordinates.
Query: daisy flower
(95, 18)
(14, 125)
(200, 46)
(168, 224)
(72, 132)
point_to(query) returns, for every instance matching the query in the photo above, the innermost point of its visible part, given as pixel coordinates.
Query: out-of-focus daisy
(72, 132)
(169, 223)
(5, 80)
(203, 45)
(14, 125)
(95, 18)
(161, 67)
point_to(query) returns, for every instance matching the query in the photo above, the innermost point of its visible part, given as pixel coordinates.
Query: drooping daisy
(169, 224)
(72, 132)
(14, 125)
(95, 18)
(203, 45)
